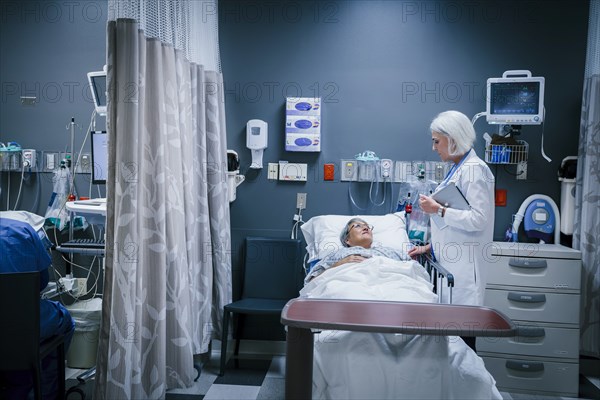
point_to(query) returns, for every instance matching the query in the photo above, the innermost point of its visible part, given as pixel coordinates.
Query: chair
(273, 275)
(20, 346)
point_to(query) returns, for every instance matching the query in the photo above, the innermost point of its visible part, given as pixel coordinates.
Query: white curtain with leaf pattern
(168, 272)
(586, 229)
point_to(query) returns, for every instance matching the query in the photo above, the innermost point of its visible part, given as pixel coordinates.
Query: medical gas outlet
(29, 158)
(370, 169)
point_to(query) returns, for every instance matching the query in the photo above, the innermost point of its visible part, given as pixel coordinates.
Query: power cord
(297, 224)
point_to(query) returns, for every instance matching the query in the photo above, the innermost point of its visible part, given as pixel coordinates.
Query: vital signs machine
(516, 99)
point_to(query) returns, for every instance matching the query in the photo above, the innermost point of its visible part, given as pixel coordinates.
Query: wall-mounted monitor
(97, 82)
(516, 99)
(99, 157)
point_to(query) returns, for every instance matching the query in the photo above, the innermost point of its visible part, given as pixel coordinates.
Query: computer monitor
(97, 82)
(99, 157)
(515, 100)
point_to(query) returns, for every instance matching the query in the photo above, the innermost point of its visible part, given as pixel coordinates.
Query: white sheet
(357, 365)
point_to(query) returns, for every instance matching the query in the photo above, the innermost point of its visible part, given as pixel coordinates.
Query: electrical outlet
(80, 288)
(439, 172)
(522, 170)
(402, 170)
(301, 201)
(349, 170)
(51, 161)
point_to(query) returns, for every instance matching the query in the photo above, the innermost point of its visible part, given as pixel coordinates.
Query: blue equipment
(540, 217)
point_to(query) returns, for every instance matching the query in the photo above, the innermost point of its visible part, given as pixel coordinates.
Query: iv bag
(417, 222)
(56, 213)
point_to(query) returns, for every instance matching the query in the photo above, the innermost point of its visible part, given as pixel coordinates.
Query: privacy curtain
(168, 274)
(587, 191)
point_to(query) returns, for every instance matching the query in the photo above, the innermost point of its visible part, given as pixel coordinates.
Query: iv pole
(71, 196)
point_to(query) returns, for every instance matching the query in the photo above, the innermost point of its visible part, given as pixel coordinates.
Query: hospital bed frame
(303, 317)
(437, 275)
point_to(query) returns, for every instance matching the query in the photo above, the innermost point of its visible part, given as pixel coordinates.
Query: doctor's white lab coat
(462, 243)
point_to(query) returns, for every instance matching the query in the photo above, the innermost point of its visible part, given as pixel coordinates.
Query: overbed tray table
(301, 315)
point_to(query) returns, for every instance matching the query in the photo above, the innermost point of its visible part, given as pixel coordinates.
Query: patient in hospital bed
(372, 264)
(357, 241)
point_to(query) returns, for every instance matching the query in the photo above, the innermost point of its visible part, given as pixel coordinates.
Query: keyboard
(84, 243)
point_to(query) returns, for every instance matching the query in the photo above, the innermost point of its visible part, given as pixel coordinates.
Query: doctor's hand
(418, 250)
(354, 258)
(428, 204)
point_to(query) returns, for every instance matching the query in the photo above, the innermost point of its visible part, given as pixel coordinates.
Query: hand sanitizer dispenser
(257, 136)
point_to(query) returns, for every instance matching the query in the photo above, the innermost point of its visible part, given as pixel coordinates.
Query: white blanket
(357, 365)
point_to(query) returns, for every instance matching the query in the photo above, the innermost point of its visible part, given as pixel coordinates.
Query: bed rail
(437, 274)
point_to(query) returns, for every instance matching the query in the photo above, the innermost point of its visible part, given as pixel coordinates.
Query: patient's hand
(354, 258)
(418, 250)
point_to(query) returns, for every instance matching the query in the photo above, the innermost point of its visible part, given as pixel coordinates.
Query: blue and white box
(303, 124)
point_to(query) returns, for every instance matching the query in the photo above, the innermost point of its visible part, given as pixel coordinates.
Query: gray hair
(346, 231)
(459, 129)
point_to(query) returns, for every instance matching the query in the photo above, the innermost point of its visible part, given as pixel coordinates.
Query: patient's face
(360, 234)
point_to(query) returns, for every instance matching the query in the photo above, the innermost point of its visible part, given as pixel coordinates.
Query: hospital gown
(22, 250)
(327, 262)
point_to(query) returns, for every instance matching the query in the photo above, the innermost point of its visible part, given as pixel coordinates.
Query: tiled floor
(263, 377)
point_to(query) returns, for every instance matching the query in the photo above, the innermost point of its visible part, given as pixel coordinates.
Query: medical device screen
(98, 86)
(517, 102)
(99, 157)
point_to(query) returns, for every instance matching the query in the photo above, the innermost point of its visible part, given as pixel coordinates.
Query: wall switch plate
(273, 171)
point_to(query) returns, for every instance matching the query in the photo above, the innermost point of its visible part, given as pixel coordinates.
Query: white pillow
(322, 233)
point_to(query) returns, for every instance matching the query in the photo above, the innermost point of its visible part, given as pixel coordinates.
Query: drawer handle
(527, 297)
(530, 331)
(525, 366)
(527, 263)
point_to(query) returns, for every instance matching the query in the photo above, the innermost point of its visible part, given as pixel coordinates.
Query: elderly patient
(357, 238)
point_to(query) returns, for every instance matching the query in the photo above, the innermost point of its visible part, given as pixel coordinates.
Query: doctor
(461, 238)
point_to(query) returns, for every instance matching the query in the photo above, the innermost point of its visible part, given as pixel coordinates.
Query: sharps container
(86, 314)
(567, 176)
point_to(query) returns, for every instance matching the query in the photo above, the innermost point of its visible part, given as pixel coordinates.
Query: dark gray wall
(384, 69)
(364, 58)
(46, 50)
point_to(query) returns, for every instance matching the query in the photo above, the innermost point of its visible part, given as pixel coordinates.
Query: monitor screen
(98, 86)
(516, 101)
(99, 157)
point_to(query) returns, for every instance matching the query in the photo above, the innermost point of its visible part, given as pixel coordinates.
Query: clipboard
(450, 196)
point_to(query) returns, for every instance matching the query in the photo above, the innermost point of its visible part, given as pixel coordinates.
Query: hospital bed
(329, 326)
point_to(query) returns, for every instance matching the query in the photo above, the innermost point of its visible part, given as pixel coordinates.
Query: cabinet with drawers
(538, 287)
